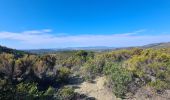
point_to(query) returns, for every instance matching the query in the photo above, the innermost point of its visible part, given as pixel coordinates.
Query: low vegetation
(46, 76)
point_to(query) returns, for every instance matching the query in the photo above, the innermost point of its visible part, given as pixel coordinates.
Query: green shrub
(66, 93)
(29, 90)
(50, 91)
(119, 78)
(92, 68)
(152, 67)
(158, 85)
(63, 74)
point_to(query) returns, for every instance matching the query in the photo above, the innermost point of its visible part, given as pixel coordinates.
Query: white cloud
(45, 39)
(37, 31)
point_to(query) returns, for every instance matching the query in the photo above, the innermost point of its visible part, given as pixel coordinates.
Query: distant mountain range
(97, 48)
(42, 51)
(90, 48)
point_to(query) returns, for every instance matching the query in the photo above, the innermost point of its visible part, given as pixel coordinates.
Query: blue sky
(33, 24)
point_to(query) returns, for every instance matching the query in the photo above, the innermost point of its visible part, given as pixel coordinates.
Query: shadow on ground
(83, 97)
(75, 80)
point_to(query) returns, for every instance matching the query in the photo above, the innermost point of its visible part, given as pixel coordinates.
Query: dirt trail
(96, 89)
(100, 92)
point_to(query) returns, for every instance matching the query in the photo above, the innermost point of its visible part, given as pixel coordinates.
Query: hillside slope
(4, 49)
(157, 45)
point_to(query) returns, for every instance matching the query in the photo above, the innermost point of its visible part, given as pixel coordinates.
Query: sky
(37, 24)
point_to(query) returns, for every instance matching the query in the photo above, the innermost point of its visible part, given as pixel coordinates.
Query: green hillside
(157, 45)
(15, 52)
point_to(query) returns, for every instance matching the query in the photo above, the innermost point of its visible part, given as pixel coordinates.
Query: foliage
(119, 78)
(158, 85)
(63, 74)
(152, 66)
(28, 90)
(50, 91)
(93, 67)
(16, 53)
(66, 93)
(43, 76)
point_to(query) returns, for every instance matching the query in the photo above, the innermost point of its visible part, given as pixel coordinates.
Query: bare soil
(96, 89)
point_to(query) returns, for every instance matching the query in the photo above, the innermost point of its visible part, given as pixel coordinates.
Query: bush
(63, 74)
(28, 90)
(93, 67)
(119, 78)
(50, 91)
(158, 85)
(152, 68)
(66, 93)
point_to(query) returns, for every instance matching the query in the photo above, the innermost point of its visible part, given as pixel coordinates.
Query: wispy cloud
(45, 39)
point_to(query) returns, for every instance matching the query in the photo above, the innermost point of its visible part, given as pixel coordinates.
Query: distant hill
(41, 51)
(4, 49)
(90, 48)
(153, 46)
(157, 45)
(47, 51)
(97, 48)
